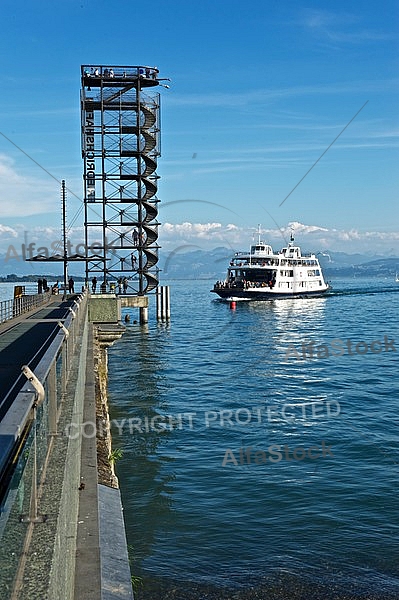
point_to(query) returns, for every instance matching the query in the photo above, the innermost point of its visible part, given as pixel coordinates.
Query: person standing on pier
(120, 285)
(94, 285)
(40, 286)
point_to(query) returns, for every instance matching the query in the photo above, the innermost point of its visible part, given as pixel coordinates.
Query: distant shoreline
(34, 278)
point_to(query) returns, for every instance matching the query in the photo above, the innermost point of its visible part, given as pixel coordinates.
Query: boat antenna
(259, 233)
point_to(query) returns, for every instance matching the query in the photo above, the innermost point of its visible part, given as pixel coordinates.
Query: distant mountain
(21, 268)
(381, 267)
(202, 264)
(209, 264)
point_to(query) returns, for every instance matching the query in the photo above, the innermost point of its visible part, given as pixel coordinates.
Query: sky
(283, 114)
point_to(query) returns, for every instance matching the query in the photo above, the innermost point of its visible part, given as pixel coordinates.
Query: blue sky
(258, 92)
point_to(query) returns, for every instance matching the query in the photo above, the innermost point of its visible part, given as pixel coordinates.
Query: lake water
(255, 463)
(7, 289)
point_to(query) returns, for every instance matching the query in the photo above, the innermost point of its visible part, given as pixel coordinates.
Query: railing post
(64, 367)
(52, 400)
(39, 399)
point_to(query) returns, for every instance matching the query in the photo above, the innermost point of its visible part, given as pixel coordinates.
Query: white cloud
(24, 195)
(259, 97)
(209, 235)
(192, 229)
(310, 237)
(341, 27)
(7, 232)
(40, 237)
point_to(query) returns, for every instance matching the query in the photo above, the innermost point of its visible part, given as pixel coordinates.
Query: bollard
(163, 303)
(143, 315)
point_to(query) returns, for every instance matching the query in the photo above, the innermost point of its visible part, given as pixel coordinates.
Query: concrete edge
(115, 572)
(87, 566)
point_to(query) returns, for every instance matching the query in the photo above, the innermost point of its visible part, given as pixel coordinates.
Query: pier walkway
(62, 533)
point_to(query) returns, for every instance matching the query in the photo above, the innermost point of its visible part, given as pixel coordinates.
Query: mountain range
(211, 264)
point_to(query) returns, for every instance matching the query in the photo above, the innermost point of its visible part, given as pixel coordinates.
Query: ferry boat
(262, 274)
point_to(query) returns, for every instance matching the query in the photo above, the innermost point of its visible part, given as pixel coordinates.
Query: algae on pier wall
(105, 335)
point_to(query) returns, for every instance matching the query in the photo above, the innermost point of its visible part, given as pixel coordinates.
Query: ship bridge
(261, 250)
(292, 252)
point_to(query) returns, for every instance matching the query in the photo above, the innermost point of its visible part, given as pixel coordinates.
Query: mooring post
(143, 315)
(163, 303)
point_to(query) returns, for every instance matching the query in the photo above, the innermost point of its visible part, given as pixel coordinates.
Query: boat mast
(291, 238)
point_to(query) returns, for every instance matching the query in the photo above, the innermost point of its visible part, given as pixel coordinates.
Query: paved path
(24, 341)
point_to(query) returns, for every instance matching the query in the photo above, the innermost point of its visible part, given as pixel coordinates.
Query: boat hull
(251, 295)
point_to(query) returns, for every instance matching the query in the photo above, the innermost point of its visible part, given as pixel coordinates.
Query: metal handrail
(10, 309)
(20, 422)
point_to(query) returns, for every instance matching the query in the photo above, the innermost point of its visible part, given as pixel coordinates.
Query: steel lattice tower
(120, 147)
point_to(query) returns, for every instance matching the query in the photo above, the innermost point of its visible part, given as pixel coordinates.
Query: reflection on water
(137, 364)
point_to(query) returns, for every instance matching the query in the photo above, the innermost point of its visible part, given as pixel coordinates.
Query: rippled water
(7, 289)
(220, 386)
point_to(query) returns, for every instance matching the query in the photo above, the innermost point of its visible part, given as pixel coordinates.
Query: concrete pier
(76, 548)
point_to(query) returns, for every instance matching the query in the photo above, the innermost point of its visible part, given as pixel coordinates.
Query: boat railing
(243, 285)
(226, 285)
(256, 261)
(307, 255)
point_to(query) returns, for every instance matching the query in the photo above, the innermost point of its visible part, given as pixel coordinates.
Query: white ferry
(261, 274)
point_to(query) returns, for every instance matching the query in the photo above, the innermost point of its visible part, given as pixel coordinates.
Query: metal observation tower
(120, 147)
